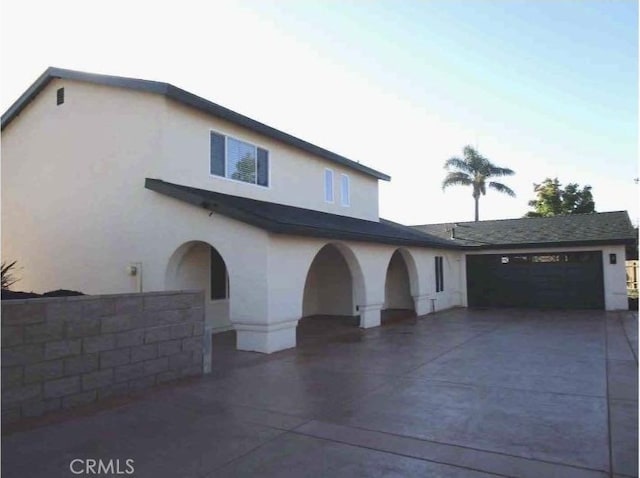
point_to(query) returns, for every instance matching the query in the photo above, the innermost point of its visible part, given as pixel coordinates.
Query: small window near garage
(219, 277)
(60, 96)
(238, 160)
(345, 191)
(439, 274)
(328, 185)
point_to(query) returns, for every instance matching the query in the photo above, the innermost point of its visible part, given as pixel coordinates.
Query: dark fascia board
(184, 97)
(547, 245)
(271, 226)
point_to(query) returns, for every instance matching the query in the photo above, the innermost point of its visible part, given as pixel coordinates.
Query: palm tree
(474, 170)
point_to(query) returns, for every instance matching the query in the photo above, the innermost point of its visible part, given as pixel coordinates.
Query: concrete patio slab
(296, 455)
(560, 428)
(459, 393)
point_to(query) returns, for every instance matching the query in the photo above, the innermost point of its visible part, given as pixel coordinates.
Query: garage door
(565, 280)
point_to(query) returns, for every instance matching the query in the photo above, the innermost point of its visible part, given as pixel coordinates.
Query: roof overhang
(282, 219)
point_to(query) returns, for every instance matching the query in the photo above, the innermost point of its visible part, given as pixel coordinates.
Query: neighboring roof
(186, 98)
(569, 230)
(281, 219)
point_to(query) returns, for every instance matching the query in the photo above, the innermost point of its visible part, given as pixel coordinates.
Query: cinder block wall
(58, 353)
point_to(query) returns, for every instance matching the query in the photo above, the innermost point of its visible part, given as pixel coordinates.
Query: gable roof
(185, 98)
(282, 219)
(568, 230)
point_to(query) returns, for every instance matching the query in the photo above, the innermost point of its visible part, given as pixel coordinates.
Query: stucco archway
(197, 265)
(334, 285)
(400, 286)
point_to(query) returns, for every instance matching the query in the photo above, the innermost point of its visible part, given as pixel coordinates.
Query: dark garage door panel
(570, 281)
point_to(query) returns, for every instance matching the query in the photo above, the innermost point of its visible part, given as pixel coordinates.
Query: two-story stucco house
(114, 185)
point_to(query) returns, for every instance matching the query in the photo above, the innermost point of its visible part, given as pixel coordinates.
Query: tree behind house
(553, 200)
(245, 169)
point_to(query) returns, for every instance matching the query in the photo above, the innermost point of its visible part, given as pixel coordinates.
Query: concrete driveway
(457, 394)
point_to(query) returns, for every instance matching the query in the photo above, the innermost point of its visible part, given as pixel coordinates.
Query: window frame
(255, 145)
(344, 203)
(333, 192)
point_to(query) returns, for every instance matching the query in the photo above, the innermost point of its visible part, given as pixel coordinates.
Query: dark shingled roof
(186, 98)
(278, 218)
(570, 230)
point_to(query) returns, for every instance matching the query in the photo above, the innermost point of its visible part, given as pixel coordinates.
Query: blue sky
(548, 88)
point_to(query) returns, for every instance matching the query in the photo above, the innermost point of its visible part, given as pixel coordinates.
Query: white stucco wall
(614, 275)
(73, 196)
(296, 177)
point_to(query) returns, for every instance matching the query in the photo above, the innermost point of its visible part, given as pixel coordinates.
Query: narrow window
(219, 281)
(328, 185)
(345, 193)
(439, 274)
(60, 96)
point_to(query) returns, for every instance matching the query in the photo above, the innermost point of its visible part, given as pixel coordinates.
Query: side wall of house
(75, 211)
(74, 208)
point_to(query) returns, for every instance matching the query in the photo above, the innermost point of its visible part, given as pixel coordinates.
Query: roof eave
(170, 190)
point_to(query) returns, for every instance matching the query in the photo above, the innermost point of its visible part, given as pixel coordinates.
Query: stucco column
(422, 304)
(370, 315)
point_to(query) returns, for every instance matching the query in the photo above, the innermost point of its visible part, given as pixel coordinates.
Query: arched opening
(198, 265)
(398, 300)
(330, 295)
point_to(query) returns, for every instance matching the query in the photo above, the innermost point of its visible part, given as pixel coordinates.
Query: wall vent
(60, 96)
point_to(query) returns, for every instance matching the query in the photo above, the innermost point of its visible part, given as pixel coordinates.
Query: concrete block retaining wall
(58, 353)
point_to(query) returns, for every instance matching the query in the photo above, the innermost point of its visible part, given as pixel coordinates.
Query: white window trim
(333, 193)
(345, 202)
(237, 181)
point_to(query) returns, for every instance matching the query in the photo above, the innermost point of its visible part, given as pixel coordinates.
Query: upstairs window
(328, 185)
(439, 274)
(239, 160)
(345, 193)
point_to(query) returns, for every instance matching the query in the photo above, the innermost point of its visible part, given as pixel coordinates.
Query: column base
(266, 338)
(370, 316)
(423, 304)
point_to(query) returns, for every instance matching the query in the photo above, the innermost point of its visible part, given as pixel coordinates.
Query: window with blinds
(235, 159)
